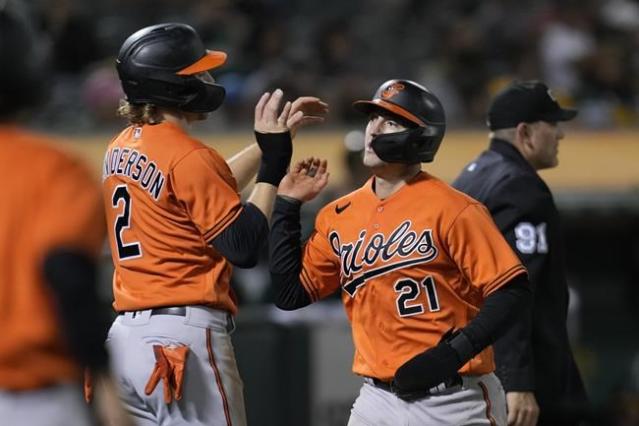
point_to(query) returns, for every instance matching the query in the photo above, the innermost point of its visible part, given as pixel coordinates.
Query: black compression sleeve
(286, 255)
(500, 310)
(72, 276)
(241, 241)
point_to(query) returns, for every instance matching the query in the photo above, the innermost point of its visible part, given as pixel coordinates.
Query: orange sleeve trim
(220, 226)
(308, 286)
(307, 283)
(504, 278)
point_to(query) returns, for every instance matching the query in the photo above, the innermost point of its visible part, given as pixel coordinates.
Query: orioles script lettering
(402, 247)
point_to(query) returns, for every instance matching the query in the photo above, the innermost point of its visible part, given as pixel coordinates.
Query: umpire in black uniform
(536, 368)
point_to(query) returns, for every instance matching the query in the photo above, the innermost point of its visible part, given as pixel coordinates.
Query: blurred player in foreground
(51, 233)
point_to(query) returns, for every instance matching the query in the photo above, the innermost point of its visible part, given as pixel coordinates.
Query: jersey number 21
(409, 291)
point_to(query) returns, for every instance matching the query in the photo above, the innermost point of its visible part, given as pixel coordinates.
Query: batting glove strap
(277, 150)
(462, 345)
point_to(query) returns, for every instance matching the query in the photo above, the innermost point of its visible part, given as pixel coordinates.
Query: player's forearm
(285, 254)
(276, 155)
(245, 164)
(501, 309)
(263, 197)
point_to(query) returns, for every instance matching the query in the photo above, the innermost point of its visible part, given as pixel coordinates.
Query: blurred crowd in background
(463, 50)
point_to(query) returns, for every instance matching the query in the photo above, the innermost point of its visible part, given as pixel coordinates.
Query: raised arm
(305, 110)
(244, 165)
(242, 240)
(305, 180)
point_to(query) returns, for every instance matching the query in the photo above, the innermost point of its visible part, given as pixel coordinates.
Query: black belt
(452, 382)
(382, 385)
(179, 311)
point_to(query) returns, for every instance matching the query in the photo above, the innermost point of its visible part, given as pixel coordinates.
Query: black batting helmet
(413, 104)
(21, 66)
(158, 65)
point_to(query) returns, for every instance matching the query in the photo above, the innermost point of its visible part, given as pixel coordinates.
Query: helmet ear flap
(416, 145)
(196, 95)
(395, 147)
(204, 97)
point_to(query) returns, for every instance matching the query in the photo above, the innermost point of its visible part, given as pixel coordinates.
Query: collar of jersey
(368, 187)
(507, 150)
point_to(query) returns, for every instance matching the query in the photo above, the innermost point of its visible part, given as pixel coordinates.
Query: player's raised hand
(268, 117)
(305, 180)
(306, 110)
(273, 137)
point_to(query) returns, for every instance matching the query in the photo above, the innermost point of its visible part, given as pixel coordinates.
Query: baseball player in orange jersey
(176, 226)
(427, 280)
(51, 232)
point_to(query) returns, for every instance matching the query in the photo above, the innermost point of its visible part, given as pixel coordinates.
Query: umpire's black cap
(525, 102)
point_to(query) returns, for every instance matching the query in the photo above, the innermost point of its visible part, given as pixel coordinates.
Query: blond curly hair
(139, 114)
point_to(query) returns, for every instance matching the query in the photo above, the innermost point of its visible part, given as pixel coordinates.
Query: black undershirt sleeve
(286, 254)
(501, 309)
(72, 277)
(241, 241)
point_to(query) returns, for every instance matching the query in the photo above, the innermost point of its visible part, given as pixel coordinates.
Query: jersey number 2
(122, 222)
(409, 291)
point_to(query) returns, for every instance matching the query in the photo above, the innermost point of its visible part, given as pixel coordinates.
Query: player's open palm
(306, 110)
(305, 180)
(268, 117)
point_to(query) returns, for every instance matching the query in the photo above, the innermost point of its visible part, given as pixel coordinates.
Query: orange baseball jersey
(166, 196)
(411, 267)
(49, 200)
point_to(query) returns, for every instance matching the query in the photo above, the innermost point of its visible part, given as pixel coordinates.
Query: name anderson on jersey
(129, 162)
(396, 252)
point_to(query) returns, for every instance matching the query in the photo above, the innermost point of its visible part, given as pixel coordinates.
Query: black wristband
(463, 346)
(277, 150)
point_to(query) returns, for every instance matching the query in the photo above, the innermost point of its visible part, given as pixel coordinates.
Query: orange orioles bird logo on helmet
(392, 90)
